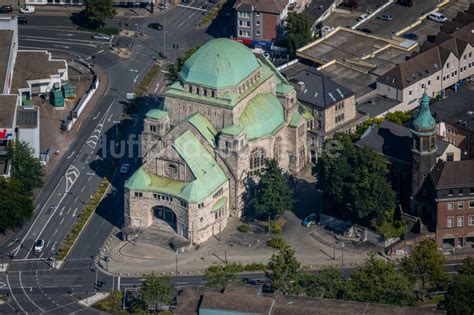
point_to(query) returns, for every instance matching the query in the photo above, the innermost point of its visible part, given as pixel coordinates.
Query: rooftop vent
(340, 93)
(301, 86)
(332, 97)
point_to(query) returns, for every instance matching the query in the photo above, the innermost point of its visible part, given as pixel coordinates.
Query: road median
(82, 219)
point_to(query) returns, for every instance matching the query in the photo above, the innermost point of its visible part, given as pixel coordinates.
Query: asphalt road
(31, 283)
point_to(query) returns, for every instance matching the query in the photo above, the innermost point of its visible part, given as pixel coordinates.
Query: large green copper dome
(424, 121)
(220, 63)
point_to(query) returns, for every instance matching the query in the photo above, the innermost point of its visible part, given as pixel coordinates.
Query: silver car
(101, 36)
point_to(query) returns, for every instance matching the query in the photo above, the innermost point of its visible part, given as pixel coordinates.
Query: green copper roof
(205, 128)
(262, 116)
(219, 204)
(232, 130)
(284, 88)
(295, 119)
(424, 121)
(220, 63)
(209, 176)
(156, 114)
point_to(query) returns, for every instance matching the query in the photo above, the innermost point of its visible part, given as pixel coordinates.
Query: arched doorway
(167, 215)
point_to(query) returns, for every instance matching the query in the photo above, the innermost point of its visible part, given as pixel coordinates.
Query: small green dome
(424, 121)
(220, 63)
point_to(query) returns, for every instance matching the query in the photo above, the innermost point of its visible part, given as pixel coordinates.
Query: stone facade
(213, 115)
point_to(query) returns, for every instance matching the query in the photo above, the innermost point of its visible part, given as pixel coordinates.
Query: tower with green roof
(424, 146)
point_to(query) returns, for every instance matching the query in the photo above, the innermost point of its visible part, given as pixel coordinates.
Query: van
(437, 17)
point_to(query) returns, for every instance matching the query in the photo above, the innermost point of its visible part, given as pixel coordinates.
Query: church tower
(424, 145)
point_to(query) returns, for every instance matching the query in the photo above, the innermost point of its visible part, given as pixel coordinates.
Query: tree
(298, 32)
(15, 207)
(399, 117)
(458, 298)
(327, 283)
(356, 179)
(157, 290)
(377, 281)
(426, 265)
(175, 68)
(98, 11)
(284, 271)
(26, 169)
(219, 276)
(274, 195)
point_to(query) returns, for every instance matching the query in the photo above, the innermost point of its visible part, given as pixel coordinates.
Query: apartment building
(442, 65)
(453, 184)
(260, 20)
(332, 106)
(455, 118)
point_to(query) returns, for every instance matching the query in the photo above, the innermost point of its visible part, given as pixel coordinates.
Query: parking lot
(402, 16)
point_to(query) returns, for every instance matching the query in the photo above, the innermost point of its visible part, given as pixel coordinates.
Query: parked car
(309, 220)
(362, 17)
(155, 26)
(326, 30)
(124, 168)
(406, 3)
(411, 36)
(437, 17)
(351, 4)
(29, 9)
(6, 9)
(385, 17)
(365, 30)
(39, 246)
(22, 20)
(101, 36)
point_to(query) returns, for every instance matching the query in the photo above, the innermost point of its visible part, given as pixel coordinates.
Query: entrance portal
(166, 215)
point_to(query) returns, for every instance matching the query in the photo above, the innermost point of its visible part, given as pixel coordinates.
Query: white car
(437, 17)
(362, 17)
(124, 168)
(29, 9)
(101, 36)
(38, 246)
(326, 30)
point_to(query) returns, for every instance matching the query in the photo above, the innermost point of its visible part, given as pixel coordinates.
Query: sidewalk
(63, 10)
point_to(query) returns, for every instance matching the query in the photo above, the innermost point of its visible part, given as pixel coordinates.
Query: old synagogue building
(227, 113)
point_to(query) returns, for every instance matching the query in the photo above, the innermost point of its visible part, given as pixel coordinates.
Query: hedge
(276, 242)
(82, 219)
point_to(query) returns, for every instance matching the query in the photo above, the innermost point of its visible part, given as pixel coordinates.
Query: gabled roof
(319, 90)
(207, 172)
(453, 174)
(7, 111)
(269, 6)
(205, 128)
(6, 38)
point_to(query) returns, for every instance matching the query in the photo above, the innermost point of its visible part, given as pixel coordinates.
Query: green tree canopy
(377, 281)
(219, 276)
(426, 265)
(459, 296)
(157, 290)
(327, 283)
(298, 32)
(274, 195)
(284, 271)
(26, 169)
(15, 207)
(98, 11)
(356, 179)
(175, 68)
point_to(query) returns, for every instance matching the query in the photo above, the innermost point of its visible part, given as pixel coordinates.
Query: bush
(276, 242)
(244, 228)
(275, 228)
(255, 267)
(111, 304)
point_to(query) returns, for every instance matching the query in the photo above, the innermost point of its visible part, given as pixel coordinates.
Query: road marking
(74, 213)
(13, 296)
(96, 116)
(82, 189)
(27, 296)
(157, 86)
(68, 35)
(136, 78)
(56, 231)
(192, 14)
(193, 8)
(181, 24)
(62, 46)
(48, 243)
(61, 212)
(69, 210)
(62, 220)
(72, 174)
(2, 285)
(52, 41)
(70, 155)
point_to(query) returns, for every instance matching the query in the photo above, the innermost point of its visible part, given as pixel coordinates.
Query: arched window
(257, 160)
(171, 170)
(277, 149)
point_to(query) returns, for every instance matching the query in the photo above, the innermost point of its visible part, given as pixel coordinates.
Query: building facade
(433, 70)
(227, 113)
(260, 20)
